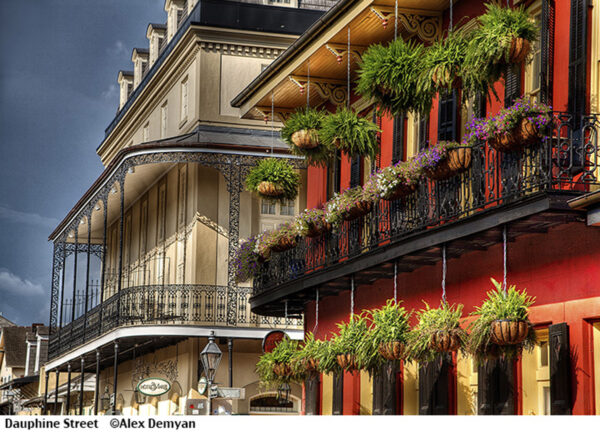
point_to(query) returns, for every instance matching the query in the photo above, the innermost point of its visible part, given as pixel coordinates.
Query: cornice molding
(244, 50)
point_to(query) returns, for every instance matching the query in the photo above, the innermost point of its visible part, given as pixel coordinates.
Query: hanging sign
(271, 340)
(153, 386)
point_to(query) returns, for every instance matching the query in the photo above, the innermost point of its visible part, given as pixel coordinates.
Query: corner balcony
(525, 191)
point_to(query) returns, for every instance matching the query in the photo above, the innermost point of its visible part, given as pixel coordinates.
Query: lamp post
(210, 357)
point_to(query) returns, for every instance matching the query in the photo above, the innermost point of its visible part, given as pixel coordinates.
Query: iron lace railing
(175, 304)
(566, 159)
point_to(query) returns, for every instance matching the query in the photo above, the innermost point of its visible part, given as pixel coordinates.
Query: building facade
(141, 270)
(525, 206)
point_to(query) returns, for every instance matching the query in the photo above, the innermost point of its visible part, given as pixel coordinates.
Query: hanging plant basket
(456, 161)
(391, 350)
(270, 189)
(315, 230)
(359, 209)
(445, 341)
(310, 364)
(401, 191)
(506, 332)
(306, 138)
(282, 370)
(519, 49)
(524, 134)
(347, 362)
(284, 243)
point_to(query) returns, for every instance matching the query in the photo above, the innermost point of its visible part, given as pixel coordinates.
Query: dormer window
(140, 65)
(156, 37)
(125, 86)
(176, 10)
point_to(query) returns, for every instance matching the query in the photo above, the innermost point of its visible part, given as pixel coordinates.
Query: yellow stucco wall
(327, 397)
(366, 393)
(411, 388)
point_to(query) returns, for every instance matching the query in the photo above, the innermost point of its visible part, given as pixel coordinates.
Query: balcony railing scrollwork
(566, 160)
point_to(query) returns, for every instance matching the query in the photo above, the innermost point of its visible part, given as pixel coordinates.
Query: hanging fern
(311, 120)
(350, 133)
(278, 172)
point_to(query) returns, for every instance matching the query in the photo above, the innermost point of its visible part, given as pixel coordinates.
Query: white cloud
(117, 49)
(110, 92)
(12, 284)
(16, 216)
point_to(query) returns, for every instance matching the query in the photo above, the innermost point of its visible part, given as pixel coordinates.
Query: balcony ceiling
(322, 55)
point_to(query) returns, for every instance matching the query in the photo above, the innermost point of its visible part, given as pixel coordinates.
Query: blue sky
(58, 92)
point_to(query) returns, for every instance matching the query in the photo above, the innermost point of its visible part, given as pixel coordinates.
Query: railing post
(74, 281)
(47, 376)
(81, 386)
(87, 273)
(103, 276)
(57, 377)
(121, 217)
(97, 390)
(115, 373)
(68, 403)
(62, 293)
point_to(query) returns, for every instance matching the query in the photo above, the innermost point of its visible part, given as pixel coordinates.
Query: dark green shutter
(547, 52)
(495, 388)
(512, 84)
(398, 139)
(312, 394)
(433, 387)
(447, 116)
(423, 132)
(389, 370)
(355, 171)
(577, 58)
(560, 369)
(337, 407)
(378, 391)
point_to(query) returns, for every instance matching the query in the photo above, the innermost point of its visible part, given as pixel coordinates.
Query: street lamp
(211, 357)
(283, 393)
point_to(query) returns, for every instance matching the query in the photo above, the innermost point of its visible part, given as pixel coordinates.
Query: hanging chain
(444, 273)
(272, 120)
(348, 72)
(450, 25)
(395, 281)
(308, 84)
(351, 296)
(396, 20)
(316, 311)
(504, 235)
(286, 311)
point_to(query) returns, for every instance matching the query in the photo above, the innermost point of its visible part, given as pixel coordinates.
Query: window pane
(544, 353)
(267, 207)
(287, 208)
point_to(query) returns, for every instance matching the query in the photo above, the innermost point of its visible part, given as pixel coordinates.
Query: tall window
(184, 99)
(287, 208)
(146, 132)
(422, 132)
(163, 120)
(398, 139)
(534, 69)
(447, 121)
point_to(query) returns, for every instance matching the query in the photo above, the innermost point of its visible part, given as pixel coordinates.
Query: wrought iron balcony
(190, 305)
(563, 162)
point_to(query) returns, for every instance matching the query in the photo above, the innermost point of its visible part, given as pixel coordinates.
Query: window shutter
(547, 51)
(355, 171)
(334, 175)
(389, 388)
(338, 393)
(447, 116)
(479, 106)
(433, 387)
(577, 58)
(378, 391)
(496, 388)
(312, 394)
(423, 132)
(512, 85)
(398, 139)
(560, 369)
(376, 163)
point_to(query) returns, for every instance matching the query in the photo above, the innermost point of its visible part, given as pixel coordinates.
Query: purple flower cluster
(432, 156)
(246, 261)
(310, 219)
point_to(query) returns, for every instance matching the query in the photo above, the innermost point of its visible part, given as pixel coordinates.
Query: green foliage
(390, 74)
(268, 239)
(354, 135)
(384, 182)
(512, 306)
(446, 317)
(283, 353)
(307, 118)
(310, 218)
(488, 50)
(313, 349)
(277, 171)
(349, 339)
(443, 60)
(341, 203)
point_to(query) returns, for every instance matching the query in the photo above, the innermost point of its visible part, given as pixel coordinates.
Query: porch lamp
(105, 399)
(283, 393)
(210, 357)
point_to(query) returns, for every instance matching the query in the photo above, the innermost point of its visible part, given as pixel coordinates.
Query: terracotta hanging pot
(518, 51)
(359, 209)
(347, 362)
(282, 370)
(456, 161)
(402, 190)
(285, 243)
(310, 364)
(523, 134)
(306, 138)
(445, 341)
(270, 189)
(391, 350)
(505, 332)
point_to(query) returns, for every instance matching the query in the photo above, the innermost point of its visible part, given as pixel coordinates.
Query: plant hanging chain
(308, 84)
(450, 24)
(444, 273)
(272, 120)
(505, 256)
(348, 71)
(396, 19)
(395, 281)
(351, 296)
(316, 311)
